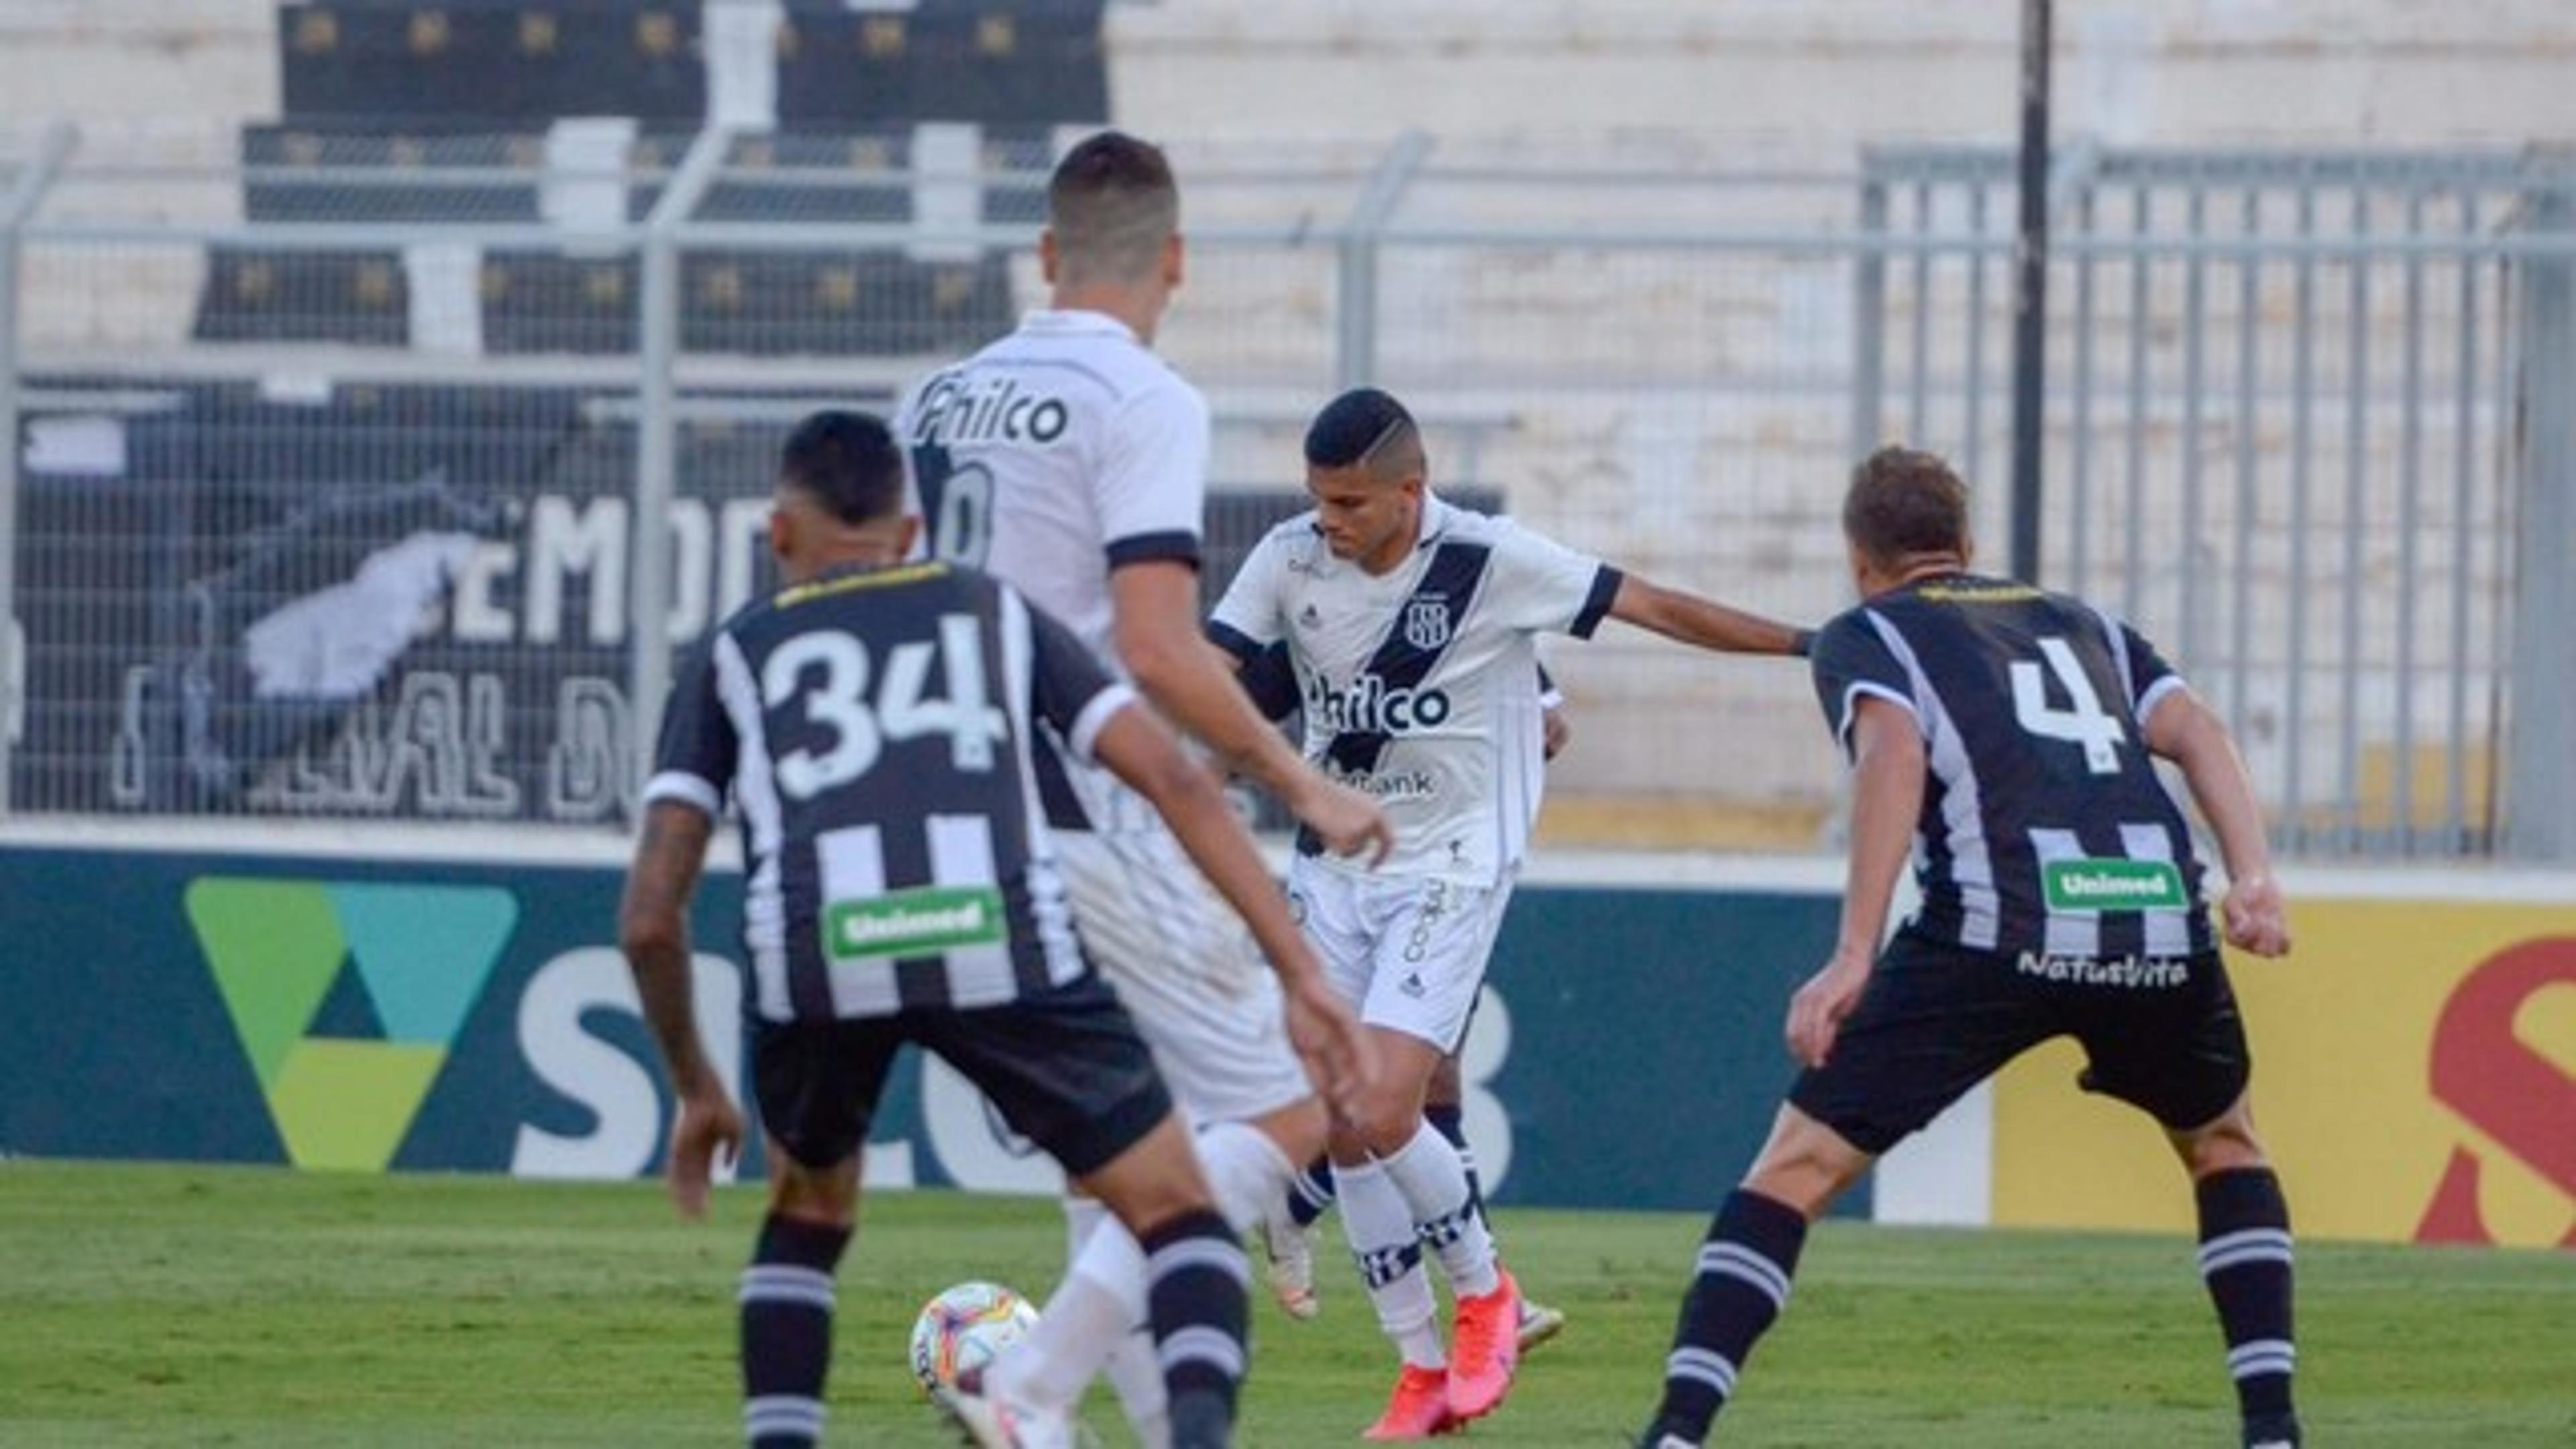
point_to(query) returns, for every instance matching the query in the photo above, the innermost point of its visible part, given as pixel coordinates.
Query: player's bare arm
(653, 928)
(1159, 641)
(1887, 797)
(1327, 1036)
(2182, 729)
(1684, 616)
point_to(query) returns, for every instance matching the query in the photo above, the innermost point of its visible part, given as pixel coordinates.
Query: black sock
(787, 1331)
(1742, 1284)
(1195, 1280)
(2245, 1260)
(1450, 1121)
(1311, 1191)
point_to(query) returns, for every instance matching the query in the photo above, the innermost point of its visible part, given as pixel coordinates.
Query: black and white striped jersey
(875, 728)
(2044, 825)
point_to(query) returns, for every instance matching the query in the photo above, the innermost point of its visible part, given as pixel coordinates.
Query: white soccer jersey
(1055, 454)
(1421, 686)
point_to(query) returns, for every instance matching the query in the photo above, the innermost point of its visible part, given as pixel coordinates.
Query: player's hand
(1340, 1059)
(1348, 822)
(2255, 916)
(1816, 1013)
(1554, 732)
(708, 1130)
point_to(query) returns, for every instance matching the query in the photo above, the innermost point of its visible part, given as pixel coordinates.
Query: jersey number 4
(2084, 722)
(957, 500)
(828, 671)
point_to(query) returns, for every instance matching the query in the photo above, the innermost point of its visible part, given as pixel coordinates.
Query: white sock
(1434, 1185)
(1380, 1229)
(1245, 1170)
(1136, 1372)
(1100, 1302)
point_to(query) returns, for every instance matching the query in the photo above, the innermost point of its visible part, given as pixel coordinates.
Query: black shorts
(1065, 1067)
(2162, 1033)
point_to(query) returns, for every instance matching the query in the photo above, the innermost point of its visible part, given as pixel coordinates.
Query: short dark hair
(1112, 203)
(1905, 503)
(1363, 425)
(846, 461)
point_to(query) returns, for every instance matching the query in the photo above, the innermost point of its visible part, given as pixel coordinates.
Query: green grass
(182, 1305)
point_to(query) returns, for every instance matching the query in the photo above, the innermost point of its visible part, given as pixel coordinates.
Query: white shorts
(1185, 967)
(1408, 951)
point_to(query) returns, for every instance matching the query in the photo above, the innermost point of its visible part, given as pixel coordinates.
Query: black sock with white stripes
(2245, 1260)
(1742, 1284)
(787, 1331)
(1195, 1282)
(1310, 1191)
(1450, 1121)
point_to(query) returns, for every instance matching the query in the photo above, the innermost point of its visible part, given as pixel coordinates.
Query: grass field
(168, 1305)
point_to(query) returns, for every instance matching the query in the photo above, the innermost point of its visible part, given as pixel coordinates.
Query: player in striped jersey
(875, 724)
(1413, 624)
(2006, 735)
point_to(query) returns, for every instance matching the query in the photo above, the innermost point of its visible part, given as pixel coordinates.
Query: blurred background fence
(352, 453)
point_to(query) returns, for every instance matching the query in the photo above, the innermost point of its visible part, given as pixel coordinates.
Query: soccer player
(1412, 625)
(1288, 1232)
(876, 724)
(2004, 735)
(1071, 462)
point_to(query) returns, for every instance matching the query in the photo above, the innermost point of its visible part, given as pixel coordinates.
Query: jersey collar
(1436, 516)
(1054, 323)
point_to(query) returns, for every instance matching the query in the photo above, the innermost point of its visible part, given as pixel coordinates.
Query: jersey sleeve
(1151, 487)
(2143, 671)
(1850, 661)
(1250, 618)
(1540, 584)
(694, 761)
(1070, 690)
(1271, 680)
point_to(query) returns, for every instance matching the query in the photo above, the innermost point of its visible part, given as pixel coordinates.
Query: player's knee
(2225, 1145)
(1300, 1131)
(1806, 1165)
(829, 1196)
(1446, 1088)
(1387, 1120)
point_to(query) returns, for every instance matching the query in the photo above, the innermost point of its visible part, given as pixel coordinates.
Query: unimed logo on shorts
(915, 922)
(2112, 885)
(347, 996)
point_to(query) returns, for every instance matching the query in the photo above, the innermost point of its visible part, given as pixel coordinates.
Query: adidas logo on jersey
(1369, 707)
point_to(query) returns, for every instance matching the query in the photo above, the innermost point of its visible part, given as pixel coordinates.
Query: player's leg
(817, 1086)
(2245, 1258)
(2176, 1050)
(1443, 1106)
(1066, 1068)
(1934, 1022)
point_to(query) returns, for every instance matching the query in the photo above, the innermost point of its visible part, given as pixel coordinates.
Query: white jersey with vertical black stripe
(875, 729)
(2045, 827)
(1420, 685)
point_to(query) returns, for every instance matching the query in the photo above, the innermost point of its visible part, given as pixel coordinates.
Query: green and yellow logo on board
(347, 996)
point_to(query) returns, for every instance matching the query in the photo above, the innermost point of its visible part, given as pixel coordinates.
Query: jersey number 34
(828, 670)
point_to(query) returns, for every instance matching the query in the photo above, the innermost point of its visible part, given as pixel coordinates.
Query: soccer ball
(964, 1328)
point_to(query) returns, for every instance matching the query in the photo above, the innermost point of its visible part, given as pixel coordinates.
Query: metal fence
(347, 467)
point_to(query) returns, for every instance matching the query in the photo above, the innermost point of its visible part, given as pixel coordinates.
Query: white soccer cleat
(991, 1422)
(1539, 1323)
(1292, 1267)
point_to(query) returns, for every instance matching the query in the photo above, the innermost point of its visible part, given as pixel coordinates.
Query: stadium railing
(336, 440)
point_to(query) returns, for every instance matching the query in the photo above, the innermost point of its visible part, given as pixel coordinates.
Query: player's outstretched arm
(1327, 1036)
(1680, 614)
(2183, 730)
(653, 927)
(1887, 800)
(1187, 678)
